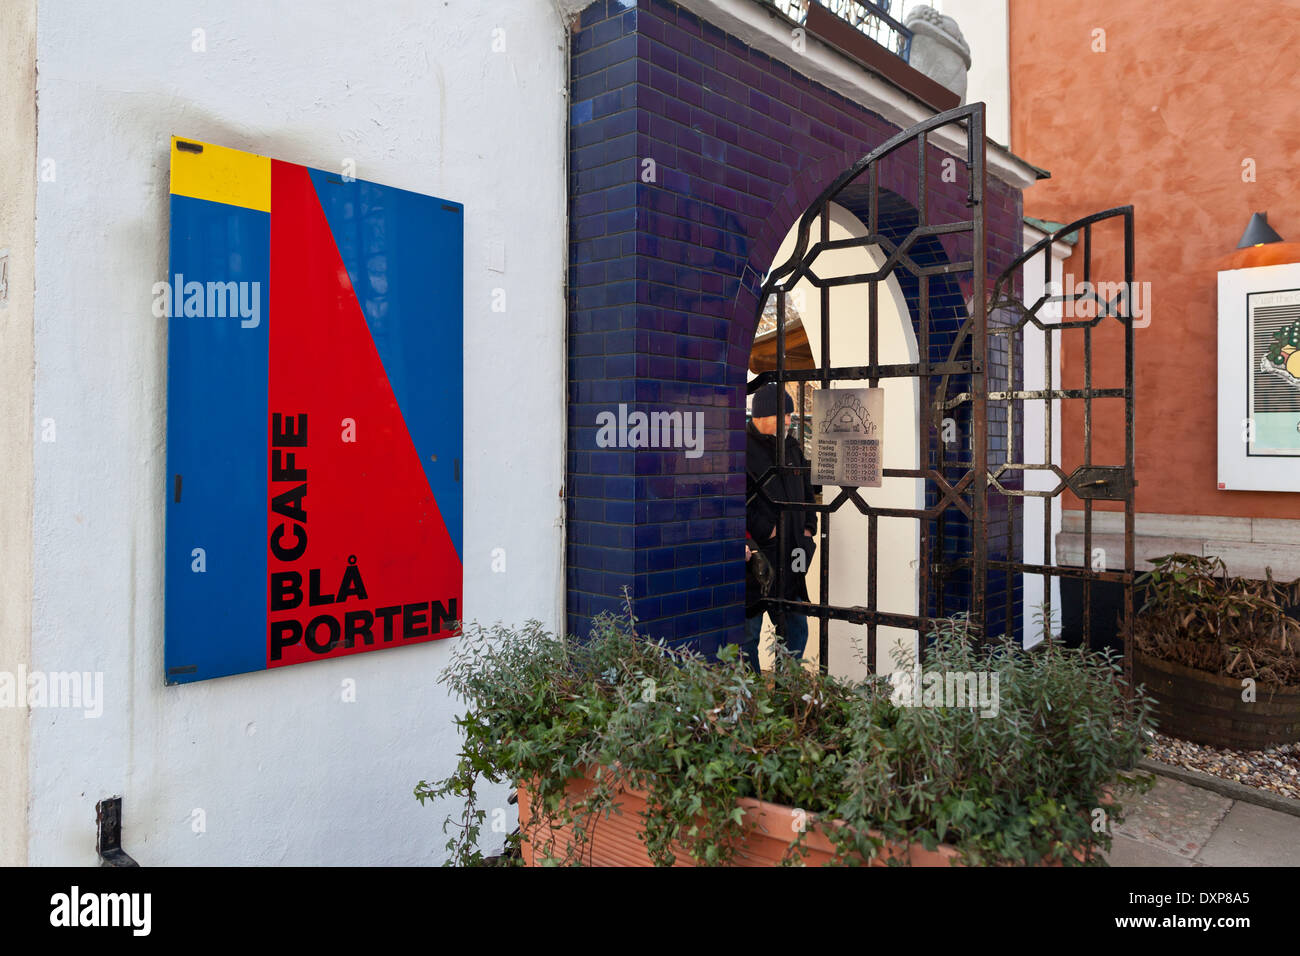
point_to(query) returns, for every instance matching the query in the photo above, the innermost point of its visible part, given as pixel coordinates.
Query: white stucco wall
(18, 249)
(284, 771)
(985, 24)
(1036, 342)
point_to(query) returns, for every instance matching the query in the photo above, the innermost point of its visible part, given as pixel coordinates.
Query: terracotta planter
(1207, 708)
(769, 829)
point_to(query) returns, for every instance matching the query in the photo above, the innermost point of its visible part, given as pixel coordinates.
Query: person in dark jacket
(784, 536)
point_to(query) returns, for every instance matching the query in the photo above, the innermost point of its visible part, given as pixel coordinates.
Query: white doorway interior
(899, 544)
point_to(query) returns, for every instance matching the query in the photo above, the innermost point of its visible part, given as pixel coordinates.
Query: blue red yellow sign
(314, 402)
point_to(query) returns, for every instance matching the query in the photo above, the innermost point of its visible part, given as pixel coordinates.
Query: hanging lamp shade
(1258, 232)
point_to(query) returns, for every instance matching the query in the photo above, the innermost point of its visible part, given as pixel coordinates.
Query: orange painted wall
(1163, 119)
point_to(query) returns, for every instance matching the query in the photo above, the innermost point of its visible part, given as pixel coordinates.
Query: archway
(915, 267)
(848, 557)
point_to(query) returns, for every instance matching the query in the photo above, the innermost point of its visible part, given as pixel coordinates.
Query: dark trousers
(795, 637)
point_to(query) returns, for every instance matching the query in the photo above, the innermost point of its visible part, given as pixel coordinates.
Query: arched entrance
(964, 365)
(847, 553)
(917, 539)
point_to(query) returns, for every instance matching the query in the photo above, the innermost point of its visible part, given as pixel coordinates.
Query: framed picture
(1259, 379)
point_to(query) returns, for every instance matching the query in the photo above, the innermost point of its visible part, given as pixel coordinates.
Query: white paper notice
(848, 434)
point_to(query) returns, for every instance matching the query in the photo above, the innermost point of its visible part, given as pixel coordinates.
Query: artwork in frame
(1259, 379)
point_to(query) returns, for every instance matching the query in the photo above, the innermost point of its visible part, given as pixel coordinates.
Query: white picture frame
(1258, 401)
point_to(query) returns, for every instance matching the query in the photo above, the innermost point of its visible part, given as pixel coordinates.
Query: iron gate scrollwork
(970, 372)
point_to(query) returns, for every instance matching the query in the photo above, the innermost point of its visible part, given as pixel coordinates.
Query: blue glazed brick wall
(691, 155)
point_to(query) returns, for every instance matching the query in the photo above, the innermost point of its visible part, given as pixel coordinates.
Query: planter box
(1207, 708)
(769, 829)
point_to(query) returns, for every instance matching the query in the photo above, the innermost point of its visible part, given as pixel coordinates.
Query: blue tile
(580, 113)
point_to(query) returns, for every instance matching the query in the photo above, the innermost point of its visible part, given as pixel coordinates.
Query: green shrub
(1020, 787)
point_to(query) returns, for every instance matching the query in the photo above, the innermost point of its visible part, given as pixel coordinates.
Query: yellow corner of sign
(218, 174)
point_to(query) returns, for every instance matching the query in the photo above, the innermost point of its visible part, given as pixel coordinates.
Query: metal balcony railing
(869, 17)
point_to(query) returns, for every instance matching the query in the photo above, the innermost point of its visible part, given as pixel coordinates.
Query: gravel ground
(1276, 769)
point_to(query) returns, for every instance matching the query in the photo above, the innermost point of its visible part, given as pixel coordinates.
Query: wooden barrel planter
(1207, 708)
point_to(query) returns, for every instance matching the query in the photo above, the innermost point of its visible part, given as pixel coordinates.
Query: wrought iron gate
(970, 373)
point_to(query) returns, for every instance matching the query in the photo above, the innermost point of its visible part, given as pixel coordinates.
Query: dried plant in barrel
(1221, 654)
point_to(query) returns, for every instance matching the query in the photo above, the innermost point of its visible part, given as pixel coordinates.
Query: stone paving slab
(1174, 817)
(1250, 835)
(1125, 851)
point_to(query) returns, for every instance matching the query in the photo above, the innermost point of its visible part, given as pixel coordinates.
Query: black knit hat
(765, 401)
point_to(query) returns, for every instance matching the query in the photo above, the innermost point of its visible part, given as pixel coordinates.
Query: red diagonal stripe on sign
(367, 499)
